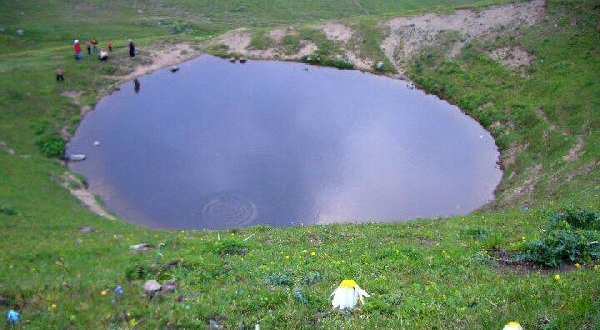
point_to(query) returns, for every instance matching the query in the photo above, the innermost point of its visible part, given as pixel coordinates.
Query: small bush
(51, 146)
(279, 279)
(319, 59)
(138, 272)
(230, 247)
(571, 235)
(7, 210)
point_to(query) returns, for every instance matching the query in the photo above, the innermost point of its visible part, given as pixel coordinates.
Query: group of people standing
(92, 46)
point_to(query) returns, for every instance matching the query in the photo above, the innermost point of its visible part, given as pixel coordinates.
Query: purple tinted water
(218, 145)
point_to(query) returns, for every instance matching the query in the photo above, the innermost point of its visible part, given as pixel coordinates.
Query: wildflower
(287, 257)
(577, 265)
(347, 294)
(557, 277)
(313, 253)
(53, 306)
(12, 317)
(513, 326)
(103, 292)
(119, 290)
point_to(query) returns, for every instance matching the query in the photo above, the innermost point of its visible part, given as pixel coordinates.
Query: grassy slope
(425, 274)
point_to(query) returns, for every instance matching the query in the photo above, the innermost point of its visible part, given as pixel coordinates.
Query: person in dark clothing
(131, 48)
(60, 74)
(89, 47)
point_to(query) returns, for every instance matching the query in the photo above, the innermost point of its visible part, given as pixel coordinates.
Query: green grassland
(443, 273)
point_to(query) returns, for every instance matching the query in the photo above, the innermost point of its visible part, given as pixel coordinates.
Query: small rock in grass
(151, 287)
(140, 247)
(20, 32)
(86, 229)
(169, 286)
(379, 65)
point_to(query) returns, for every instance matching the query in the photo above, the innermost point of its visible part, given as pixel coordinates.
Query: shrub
(7, 210)
(571, 235)
(51, 146)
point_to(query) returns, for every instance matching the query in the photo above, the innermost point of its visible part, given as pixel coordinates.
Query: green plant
(51, 146)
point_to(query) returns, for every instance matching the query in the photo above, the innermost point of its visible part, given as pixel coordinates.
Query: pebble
(86, 229)
(151, 287)
(169, 286)
(140, 247)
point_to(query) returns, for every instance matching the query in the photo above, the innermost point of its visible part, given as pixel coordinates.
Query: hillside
(527, 71)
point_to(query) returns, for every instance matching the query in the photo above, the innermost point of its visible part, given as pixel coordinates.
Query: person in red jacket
(77, 49)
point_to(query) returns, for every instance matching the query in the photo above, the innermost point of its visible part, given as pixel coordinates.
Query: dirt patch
(512, 57)
(160, 57)
(4, 147)
(278, 34)
(410, 34)
(77, 189)
(531, 177)
(237, 40)
(337, 32)
(75, 97)
(506, 262)
(576, 151)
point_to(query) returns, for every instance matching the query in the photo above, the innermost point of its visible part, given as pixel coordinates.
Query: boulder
(151, 287)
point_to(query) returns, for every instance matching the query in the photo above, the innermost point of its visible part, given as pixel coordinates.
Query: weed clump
(320, 59)
(51, 145)
(571, 235)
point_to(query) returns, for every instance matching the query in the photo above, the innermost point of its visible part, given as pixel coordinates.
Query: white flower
(513, 326)
(347, 294)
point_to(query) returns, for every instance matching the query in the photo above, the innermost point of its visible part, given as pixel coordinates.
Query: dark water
(218, 145)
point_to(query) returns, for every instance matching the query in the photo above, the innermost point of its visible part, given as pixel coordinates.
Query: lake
(219, 145)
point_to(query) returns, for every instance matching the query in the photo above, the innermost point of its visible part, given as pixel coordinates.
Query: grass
(425, 274)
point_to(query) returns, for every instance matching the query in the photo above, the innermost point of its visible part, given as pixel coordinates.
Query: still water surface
(219, 145)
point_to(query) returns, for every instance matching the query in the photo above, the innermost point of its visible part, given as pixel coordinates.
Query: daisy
(347, 295)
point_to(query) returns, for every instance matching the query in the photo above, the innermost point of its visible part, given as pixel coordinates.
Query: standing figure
(77, 49)
(95, 45)
(89, 47)
(110, 46)
(59, 74)
(131, 48)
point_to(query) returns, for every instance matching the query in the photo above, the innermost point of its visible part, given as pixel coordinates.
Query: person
(110, 46)
(136, 85)
(103, 55)
(59, 74)
(89, 47)
(95, 45)
(131, 48)
(77, 49)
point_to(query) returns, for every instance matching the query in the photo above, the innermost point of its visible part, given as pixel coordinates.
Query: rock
(379, 65)
(151, 287)
(139, 11)
(169, 286)
(20, 32)
(1, 29)
(86, 229)
(140, 247)
(243, 60)
(3, 301)
(232, 59)
(174, 69)
(97, 143)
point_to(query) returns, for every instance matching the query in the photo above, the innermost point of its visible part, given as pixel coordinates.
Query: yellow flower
(53, 306)
(513, 326)
(577, 265)
(287, 257)
(347, 294)
(313, 253)
(103, 292)
(557, 277)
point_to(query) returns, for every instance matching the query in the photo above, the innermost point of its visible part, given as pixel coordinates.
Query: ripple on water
(229, 211)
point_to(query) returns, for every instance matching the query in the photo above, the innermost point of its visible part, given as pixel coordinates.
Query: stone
(169, 286)
(20, 32)
(151, 287)
(141, 247)
(86, 229)
(379, 65)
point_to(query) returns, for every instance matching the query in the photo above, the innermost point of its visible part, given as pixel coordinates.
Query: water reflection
(224, 145)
